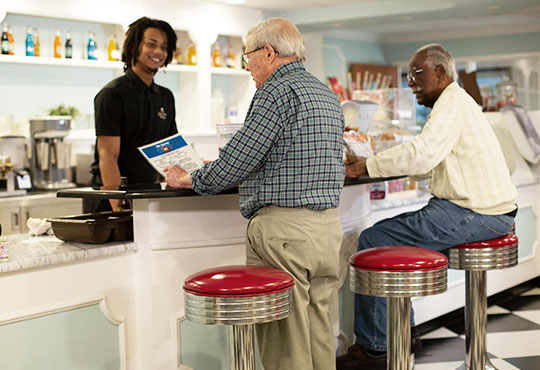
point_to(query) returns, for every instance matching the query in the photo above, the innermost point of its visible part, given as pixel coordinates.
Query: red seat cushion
(398, 258)
(238, 281)
(509, 240)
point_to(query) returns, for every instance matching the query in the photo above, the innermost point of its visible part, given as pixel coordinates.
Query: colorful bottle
(57, 44)
(69, 46)
(229, 54)
(216, 56)
(5, 40)
(178, 58)
(29, 43)
(91, 47)
(112, 49)
(11, 41)
(192, 55)
(37, 46)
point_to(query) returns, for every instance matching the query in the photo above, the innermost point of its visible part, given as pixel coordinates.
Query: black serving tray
(94, 228)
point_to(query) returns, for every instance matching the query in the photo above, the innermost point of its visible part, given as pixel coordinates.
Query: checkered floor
(513, 338)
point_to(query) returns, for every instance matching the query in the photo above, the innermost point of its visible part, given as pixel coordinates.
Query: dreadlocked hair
(134, 37)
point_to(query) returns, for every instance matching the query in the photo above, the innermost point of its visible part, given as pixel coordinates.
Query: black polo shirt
(139, 114)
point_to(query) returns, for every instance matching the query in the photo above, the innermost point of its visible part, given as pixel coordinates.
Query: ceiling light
(236, 2)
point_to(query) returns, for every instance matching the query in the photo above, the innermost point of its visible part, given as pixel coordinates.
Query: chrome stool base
(488, 366)
(476, 322)
(398, 329)
(398, 273)
(476, 259)
(243, 349)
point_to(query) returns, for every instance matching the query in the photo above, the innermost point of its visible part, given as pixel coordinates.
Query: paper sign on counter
(171, 150)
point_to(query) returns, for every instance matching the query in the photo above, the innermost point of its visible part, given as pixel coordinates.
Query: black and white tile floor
(513, 339)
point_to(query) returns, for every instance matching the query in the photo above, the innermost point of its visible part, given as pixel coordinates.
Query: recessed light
(236, 2)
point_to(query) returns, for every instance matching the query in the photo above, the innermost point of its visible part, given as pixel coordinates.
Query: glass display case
(394, 121)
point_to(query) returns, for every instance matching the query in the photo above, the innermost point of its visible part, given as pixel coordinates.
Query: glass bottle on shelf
(192, 55)
(57, 44)
(37, 45)
(29, 43)
(11, 41)
(229, 54)
(177, 56)
(216, 56)
(112, 49)
(91, 46)
(69, 46)
(506, 93)
(5, 40)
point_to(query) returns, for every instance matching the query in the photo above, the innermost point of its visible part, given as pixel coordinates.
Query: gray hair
(281, 34)
(437, 55)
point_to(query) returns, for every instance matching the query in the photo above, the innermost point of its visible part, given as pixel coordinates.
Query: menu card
(171, 150)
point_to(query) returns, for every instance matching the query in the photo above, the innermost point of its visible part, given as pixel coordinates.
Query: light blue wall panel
(353, 52)
(499, 44)
(79, 339)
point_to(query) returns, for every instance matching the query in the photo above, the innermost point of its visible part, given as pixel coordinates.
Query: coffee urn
(51, 156)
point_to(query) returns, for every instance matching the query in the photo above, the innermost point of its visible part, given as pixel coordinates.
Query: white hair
(437, 55)
(281, 34)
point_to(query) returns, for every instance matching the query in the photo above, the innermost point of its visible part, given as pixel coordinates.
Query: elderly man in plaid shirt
(287, 161)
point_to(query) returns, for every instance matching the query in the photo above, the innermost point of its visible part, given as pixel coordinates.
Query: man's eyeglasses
(411, 75)
(245, 55)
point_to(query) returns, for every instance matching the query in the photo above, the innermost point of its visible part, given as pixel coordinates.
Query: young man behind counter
(132, 110)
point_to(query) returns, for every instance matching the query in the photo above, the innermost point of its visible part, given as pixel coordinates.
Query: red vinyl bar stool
(476, 258)
(398, 273)
(239, 296)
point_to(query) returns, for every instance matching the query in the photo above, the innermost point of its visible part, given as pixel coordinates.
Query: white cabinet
(36, 84)
(15, 211)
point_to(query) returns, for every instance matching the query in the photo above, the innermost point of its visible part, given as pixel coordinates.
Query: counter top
(148, 191)
(27, 252)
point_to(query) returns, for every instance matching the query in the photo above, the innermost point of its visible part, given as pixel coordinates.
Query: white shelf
(229, 71)
(61, 62)
(84, 63)
(181, 68)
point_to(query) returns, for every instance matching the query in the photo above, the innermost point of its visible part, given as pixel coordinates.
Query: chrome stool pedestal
(240, 296)
(476, 258)
(398, 273)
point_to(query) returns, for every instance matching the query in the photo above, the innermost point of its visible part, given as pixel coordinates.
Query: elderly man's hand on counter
(355, 167)
(176, 177)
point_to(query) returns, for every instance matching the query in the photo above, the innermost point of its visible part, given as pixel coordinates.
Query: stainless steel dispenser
(51, 156)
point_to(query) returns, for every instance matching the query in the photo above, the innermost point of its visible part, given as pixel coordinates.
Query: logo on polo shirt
(161, 114)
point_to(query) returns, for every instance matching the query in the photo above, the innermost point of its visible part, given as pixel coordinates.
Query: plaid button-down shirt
(289, 152)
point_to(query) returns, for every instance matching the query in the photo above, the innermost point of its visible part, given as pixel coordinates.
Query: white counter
(28, 252)
(138, 285)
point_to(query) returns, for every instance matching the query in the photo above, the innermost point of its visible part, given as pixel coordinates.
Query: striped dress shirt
(458, 150)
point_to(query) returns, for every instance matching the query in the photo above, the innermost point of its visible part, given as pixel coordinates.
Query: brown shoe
(358, 358)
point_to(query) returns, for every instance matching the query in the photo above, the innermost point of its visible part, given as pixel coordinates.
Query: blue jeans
(438, 226)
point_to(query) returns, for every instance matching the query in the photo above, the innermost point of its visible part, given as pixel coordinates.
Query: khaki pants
(306, 244)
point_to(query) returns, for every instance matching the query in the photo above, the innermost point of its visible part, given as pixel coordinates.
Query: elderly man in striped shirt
(287, 161)
(473, 196)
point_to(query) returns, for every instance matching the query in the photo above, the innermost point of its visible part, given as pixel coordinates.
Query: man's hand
(355, 166)
(177, 177)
